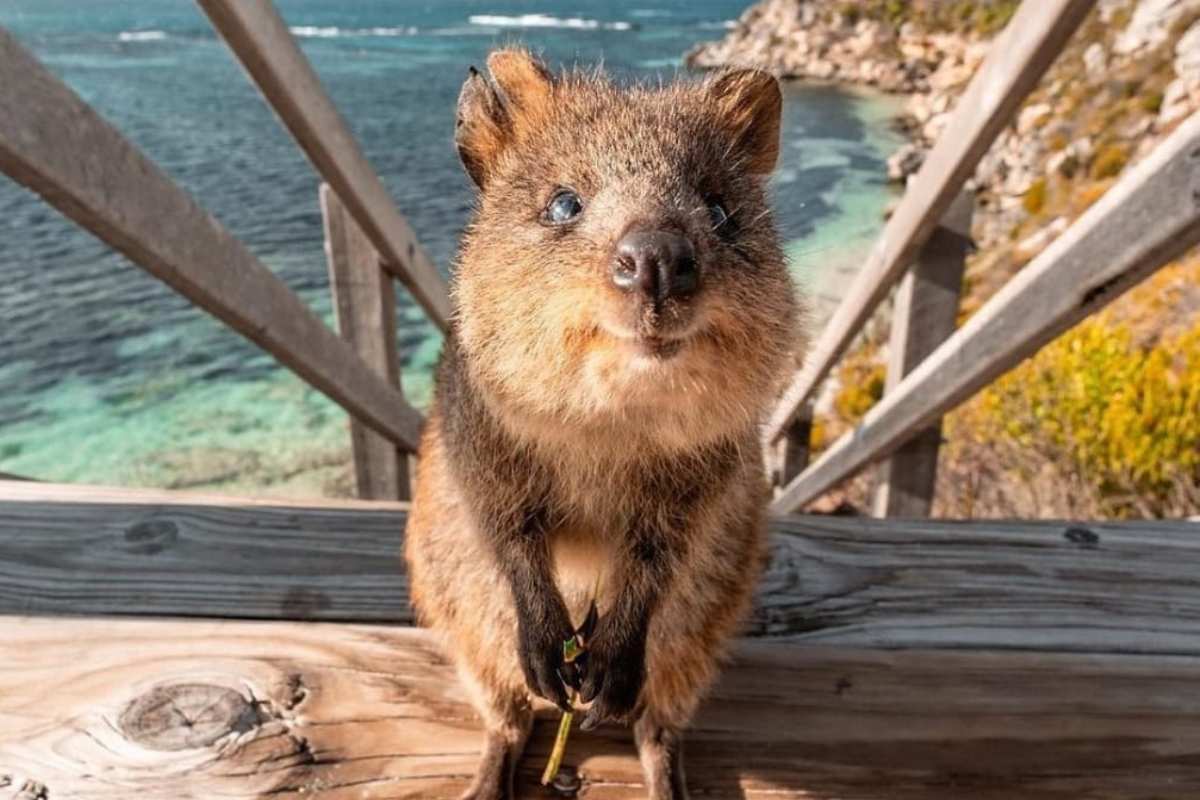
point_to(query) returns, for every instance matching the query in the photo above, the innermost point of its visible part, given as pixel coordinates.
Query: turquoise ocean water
(107, 376)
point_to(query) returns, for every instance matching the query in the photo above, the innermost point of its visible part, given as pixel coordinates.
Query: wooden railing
(52, 142)
(1151, 216)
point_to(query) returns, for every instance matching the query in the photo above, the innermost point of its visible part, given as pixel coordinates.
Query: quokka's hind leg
(508, 729)
(508, 720)
(660, 749)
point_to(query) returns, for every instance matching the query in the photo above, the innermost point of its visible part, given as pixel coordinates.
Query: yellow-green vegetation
(1095, 405)
(861, 380)
(984, 17)
(1104, 421)
(1035, 197)
(1110, 161)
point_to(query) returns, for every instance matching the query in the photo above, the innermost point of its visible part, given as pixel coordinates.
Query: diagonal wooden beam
(1149, 218)
(1017, 60)
(56, 145)
(260, 39)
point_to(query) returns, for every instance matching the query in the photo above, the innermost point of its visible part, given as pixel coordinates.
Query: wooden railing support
(925, 315)
(1151, 216)
(792, 451)
(1015, 63)
(365, 302)
(260, 39)
(59, 147)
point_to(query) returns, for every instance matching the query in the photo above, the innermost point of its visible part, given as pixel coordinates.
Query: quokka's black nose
(658, 264)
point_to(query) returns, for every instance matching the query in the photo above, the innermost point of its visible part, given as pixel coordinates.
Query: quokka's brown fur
(584, 438)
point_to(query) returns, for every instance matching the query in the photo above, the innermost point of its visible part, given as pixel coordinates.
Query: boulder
(1095, 60)
(904, 162)
(1151, 24)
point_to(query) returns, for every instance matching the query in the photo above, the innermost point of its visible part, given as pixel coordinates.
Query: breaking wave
(141, 36)
(319, 32)
(546, 21)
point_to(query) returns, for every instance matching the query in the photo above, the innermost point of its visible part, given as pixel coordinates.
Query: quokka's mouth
(651, 346)
(659, 348)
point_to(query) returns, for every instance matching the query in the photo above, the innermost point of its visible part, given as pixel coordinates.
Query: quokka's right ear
(490, 111)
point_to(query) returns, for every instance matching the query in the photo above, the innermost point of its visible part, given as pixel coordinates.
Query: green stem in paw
(560, 745)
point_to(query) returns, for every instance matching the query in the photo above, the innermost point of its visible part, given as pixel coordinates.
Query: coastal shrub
(1151, 102)
(1034, 199)
(992, 17)
(1116, 421)
(861, 378)
(1088, 194)
(1110, 161)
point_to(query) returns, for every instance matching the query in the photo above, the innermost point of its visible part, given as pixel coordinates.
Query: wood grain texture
(178, 710)
(260, 40)
(1151, 216)
(1096, 587)
(925, 315)
(1016, 61)
(366, 316)
(56, 145)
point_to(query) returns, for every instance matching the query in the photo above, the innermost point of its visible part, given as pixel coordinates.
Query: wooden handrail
(260, 39)
(1016, 61)
(55, 144)
(1149, 218)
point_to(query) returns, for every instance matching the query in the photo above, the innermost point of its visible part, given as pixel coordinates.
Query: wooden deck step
(170, 710)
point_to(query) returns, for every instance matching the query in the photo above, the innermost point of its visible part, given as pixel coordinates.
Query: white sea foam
(320, 32)
(722, 25)
(545, 21)
(141, 36)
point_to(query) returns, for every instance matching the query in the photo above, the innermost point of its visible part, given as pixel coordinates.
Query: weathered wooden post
(926, 311)
(791, 452)
(365, 302)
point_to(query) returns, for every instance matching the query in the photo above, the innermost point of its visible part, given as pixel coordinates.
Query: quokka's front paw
(541, 651)
(612, 677)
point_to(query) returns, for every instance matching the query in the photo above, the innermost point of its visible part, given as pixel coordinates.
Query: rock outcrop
(1126, 79)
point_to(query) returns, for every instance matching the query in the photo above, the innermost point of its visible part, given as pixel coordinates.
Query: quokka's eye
(722, 221)
(564, 206)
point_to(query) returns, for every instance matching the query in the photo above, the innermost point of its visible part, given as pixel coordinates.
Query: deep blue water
(107, 376)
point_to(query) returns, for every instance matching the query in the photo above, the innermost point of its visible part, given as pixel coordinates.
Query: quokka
(623, 317)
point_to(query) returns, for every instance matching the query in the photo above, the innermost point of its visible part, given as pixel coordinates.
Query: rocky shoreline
(827, 41)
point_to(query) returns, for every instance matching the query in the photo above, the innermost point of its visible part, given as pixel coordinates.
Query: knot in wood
(151, 536)
(1083, 537)
(186, 716)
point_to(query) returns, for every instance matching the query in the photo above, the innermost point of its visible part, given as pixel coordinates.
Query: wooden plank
(167, 710)
(260, 39)
(1149, 218)
(925, 315)
(1016, 61)
(55, 144)
(366, 315)
(1099, 587)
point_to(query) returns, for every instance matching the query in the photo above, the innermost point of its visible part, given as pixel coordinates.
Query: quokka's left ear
(749, 104)
(490, 110)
